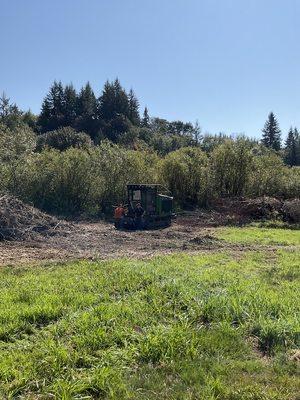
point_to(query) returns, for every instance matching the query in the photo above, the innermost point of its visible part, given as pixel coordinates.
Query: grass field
(207, 326)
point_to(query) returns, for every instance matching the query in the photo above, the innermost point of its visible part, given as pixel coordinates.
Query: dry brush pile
(20, 221)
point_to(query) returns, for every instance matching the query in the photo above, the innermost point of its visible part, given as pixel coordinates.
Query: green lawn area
(209, 326)
(262, 235)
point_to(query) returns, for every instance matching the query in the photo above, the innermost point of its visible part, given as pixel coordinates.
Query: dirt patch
(100, 240)
(39, 237)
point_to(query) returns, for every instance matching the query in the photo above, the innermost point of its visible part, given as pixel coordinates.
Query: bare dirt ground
(100, 240)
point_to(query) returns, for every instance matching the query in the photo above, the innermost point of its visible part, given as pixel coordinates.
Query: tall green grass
(174, 327)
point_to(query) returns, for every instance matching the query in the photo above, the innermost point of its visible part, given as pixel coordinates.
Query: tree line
(89, 179)
(78, 154)
(115, 116)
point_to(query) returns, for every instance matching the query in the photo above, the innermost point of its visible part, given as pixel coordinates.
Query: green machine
(158, 206)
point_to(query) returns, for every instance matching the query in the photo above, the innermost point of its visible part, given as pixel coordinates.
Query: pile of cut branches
(20, 221)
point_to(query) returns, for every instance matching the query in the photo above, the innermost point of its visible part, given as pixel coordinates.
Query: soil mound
(20, 221)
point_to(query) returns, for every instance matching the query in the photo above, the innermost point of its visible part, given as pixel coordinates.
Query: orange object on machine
(119, 212)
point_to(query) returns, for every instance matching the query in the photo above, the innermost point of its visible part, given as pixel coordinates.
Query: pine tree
(10, 114)
(4, 106)
(113, 102)
(107, 102)
(30, 119)
(297, 142)
(86, 111)
(271, 133)
(69, 105)
(52, 113)
(291, 148)
(134, 114)
(146, 118)
(121, 100)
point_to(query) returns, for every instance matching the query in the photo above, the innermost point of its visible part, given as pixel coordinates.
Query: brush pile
(261, 208)
(20, 221)
(291, 210)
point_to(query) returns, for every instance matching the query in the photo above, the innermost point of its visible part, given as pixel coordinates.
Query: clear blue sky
(226, 63)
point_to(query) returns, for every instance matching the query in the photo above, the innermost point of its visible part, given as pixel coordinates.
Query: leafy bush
(267, 176)
(15, 147)
(63, 138)
(185, 172)
(17, 143)
(231, 164)
(81, 181)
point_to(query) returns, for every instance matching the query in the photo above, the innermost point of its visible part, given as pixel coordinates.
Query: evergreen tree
(69, 105)
(107, 102)
(30, 119)
(291, 148)
(121, 100)
(271, 133)
(113, 102)
(297, 141)
(134, 114)
(146, 118)
(52, 113)
(4, 106)
(87, 110)
(10, 114)
(113, 111)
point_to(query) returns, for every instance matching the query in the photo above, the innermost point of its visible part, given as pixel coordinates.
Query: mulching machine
(157, 205)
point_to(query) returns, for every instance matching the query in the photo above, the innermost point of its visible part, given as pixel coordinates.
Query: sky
(225, 63)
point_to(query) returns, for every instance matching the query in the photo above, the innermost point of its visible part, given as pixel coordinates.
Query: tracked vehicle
(158, 206)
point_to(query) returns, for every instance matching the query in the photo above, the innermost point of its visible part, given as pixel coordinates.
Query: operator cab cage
(153, 202)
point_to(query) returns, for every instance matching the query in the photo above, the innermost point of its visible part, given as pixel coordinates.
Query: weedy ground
(206, 326)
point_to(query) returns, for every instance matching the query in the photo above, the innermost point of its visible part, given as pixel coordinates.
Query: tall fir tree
(121, 100)
(69, 105)
(107, 102)
(10, 114)
(271, 137)
(146, 118)
(52, 112)
(297, 141)
(291, 148)
(134, 114)
(87, 111)
(114, 101)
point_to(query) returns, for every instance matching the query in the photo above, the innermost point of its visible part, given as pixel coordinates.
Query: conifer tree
(107, 102)
(271, 133)
(291, 148)
(69, 105)
(10, 114)
(146, 118)
(297, 141)
(113, 101)
(52, 112)
(86, 111)
(121, 100)
(134, 114)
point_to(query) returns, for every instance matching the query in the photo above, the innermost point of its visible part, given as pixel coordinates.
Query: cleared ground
(100, 240)
(223, 323)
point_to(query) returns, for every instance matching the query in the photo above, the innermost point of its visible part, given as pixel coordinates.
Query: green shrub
(62, 139)
(185, 173)
(231, 164)
(80, 181)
